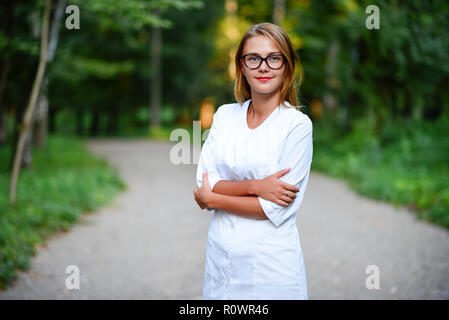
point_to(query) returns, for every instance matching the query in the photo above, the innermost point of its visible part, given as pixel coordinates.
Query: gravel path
(150, 242)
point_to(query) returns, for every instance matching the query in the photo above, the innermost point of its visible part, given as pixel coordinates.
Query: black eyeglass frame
(264, 59)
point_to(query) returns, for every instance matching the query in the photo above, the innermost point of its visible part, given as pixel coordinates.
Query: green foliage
(411, 166)
(98, 68)
(104, 70)
(135, 14)
(65, 181)
(397, 71)
(160, 133)
(187, 51)
(390, 85)
(17, 45)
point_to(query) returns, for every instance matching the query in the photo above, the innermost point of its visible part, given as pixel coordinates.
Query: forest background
(378, 98)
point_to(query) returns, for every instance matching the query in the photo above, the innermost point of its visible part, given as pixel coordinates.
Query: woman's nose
(263, 66)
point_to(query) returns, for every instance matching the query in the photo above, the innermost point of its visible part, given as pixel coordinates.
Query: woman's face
(263, 47)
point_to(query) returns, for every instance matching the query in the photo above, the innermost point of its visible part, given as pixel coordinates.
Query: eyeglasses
(253, 61)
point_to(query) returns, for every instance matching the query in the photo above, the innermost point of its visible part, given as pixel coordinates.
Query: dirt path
(150, 242)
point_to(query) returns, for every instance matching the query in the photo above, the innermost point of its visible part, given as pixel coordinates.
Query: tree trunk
(40, 123)
(18, 114)
(278, 11)
(55, 27)
(27, 154)
(156, 79)
(32, 103)
(329, 100)
(40, 119)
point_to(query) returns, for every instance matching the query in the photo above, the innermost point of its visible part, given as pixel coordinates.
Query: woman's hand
(275, 190)
(203, 195)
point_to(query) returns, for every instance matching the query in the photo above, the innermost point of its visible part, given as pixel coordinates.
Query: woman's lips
(263, 79)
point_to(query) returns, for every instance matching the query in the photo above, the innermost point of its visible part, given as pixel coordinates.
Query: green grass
(64, 182)
(406, 163)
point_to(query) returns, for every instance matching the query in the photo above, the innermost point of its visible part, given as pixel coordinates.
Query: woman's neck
(263, 105)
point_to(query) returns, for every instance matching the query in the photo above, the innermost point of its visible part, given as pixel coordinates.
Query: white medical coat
(250, 258)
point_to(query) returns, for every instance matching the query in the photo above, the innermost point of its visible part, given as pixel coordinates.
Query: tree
(278, 11)
(156, 43)
(40, 127)
(129, 13)
(32, 102)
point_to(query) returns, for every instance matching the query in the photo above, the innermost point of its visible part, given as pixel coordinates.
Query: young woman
(252, 174)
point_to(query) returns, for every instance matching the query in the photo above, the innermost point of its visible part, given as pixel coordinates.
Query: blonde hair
(242, 91)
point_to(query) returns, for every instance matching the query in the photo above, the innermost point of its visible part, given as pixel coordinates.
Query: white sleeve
(296, 155)
(207, 161)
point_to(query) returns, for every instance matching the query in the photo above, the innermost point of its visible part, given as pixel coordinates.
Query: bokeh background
(138, 69)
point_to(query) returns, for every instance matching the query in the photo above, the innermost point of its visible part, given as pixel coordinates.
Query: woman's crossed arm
(241, 197)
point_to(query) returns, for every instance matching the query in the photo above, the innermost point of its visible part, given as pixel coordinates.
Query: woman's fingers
(281, 173)
(282, 203)
(197, 197)
(291, 194)
(286, 199)
(289, 187)
(200, 204)
(287, 196)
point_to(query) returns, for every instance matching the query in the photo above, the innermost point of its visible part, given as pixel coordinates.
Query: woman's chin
(265, 91)
(262, 88)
